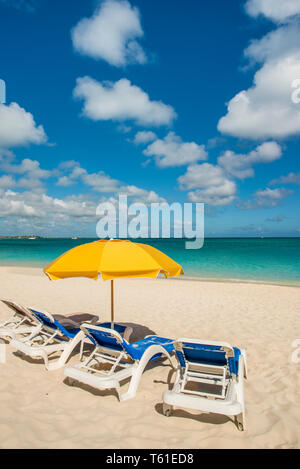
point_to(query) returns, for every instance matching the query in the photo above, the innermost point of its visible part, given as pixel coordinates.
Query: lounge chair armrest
(244, 355)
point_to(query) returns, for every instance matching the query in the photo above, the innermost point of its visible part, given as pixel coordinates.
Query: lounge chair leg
(239, 420)
(71, 381)
(81, 350)
(167, 410)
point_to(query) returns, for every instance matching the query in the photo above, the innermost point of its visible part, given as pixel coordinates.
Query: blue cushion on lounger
(208, 355)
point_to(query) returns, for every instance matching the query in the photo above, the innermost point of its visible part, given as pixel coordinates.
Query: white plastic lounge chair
(118, 359)
(55, 337)
(22, 324)
(209, 378)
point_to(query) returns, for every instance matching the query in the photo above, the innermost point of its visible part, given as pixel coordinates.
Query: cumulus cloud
(275, 10)
(75, 172)
(266, 110)
(121, 101)
(99, 182)
(7, 182)
(137, 195)
(40, 205)
(265, 198)
(277, 44)
(291, 178)
(172, 151)
(9, 207)
(240, 166)
(32, 167)
(144, 136)
(27, 174)
(212, 185)
(28, 207)
(102, 183)
(18, 128)
(111, 34)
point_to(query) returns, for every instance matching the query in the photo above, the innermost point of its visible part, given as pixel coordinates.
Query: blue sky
(163, 101)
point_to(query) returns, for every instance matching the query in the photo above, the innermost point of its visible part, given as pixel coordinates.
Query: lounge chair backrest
(208, 353)
(19, 309)
(48, 320)
(105, 337)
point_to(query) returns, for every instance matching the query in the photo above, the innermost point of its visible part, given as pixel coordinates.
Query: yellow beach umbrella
(112, 260)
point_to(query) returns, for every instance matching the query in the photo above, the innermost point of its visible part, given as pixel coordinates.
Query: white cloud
(140, 195)
(291, 178)
(266, 110)
(280, 43)
(28, 173)
(144, 136)
(265, 198)
(240, 166)
(33, 210)
(65, 181)
(121, 101)
(275, 10)
(32, 167)
(7, 182)
(111, 33)
(75, 173)
(40, 205)
(16, 208)
(100, 182)
(18, 128)
(212, 185)
(30, 204)
(275, 194)
(172, 151)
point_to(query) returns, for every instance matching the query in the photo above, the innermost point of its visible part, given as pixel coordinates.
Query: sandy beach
(39, 410)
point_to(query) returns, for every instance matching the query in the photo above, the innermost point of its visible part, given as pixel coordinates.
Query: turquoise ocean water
(269, 259)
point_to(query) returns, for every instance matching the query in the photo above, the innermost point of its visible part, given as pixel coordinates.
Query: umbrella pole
(112, 303)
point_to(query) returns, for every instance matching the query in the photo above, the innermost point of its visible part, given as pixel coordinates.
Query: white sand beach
(39, 410)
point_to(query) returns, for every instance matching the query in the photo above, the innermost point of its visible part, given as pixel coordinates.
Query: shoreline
(189, 278)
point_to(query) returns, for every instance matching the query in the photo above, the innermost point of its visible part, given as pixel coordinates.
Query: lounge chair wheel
(71, 382)
(239, 424)
(240, 427)
(167, 411)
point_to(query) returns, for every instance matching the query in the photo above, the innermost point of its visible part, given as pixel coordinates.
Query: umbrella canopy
(112, 259)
